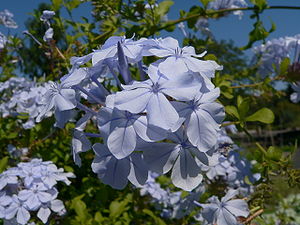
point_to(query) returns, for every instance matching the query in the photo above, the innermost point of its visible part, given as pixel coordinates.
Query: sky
(230, 27)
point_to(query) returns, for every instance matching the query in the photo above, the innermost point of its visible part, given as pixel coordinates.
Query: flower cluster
(226, 163)
(30, 187)
(15, 152)
(171, 204)
(272, 53)
(173, 100)
(295, 96)
(46, 17)
(6, 19)
(3, 41)
(202, 23)
(20, 96)
(228, 4)
(226, 211)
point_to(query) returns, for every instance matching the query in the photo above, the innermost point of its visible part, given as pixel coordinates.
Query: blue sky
(226, 28)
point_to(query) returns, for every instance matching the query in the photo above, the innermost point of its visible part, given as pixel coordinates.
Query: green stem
(247, 85)
(205, 14)
(261, 148)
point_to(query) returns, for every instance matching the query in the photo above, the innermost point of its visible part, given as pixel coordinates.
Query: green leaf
(210, 57)
(284, 65)
(274, 153)
(156, 219)
(263, 115)
(261, 4)
(56, 4)
(243, 107)
(163, 8)
(116, 208)
(205, 2)
(259, 32)
(3, 163)
(70, 5)
(232, 110)
(80, 208)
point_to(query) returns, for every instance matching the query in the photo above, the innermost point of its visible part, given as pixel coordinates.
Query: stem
(86, 109)
(229, 123)
(250, 218)
(114, 75)
(173, 22)
(247, 85)
(261, 148)
(92, 135)
(88, 94)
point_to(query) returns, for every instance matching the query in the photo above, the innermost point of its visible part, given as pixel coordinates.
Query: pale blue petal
(44, 214)
(57, 205)
(160, 52)
(132, 51)
(65, 100)
(226, 218)
(173, 67)
(134, 101)
(215, 110)
(23, 215)
(229, 195)
(238, 207)
(186, 173)
(200, 132)
(74, 78)
(116, 173)
(160, 157)
(122, 141)
(184, 110)
(160, 112)
(62, 117)
(148, 133)
(210, 212)
(138, 170)
(103, 54)
(209, 96)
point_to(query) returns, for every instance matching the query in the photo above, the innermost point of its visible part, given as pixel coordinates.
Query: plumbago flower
(171, 204)
(228, 4)
(46, 17)
(30, 187)
(172, 94)
(3, 41)
(271, 54)
(226, 211)
(6, 19)
(20, 96)
(295, 97)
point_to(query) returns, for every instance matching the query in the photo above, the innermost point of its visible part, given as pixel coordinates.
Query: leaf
(156, 219)
(163, 8)
(210, 57)
(232, 110)
(263, 115)
(80, 208)
(243, 107)
(259, 32)
(3, 164)
(284, 65)
(274, 153)
(261, 4)
(56, 4)
(117, 208)
(205, 2)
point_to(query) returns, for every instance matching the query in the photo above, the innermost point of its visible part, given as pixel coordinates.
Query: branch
(205, 14)
(256, 214)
